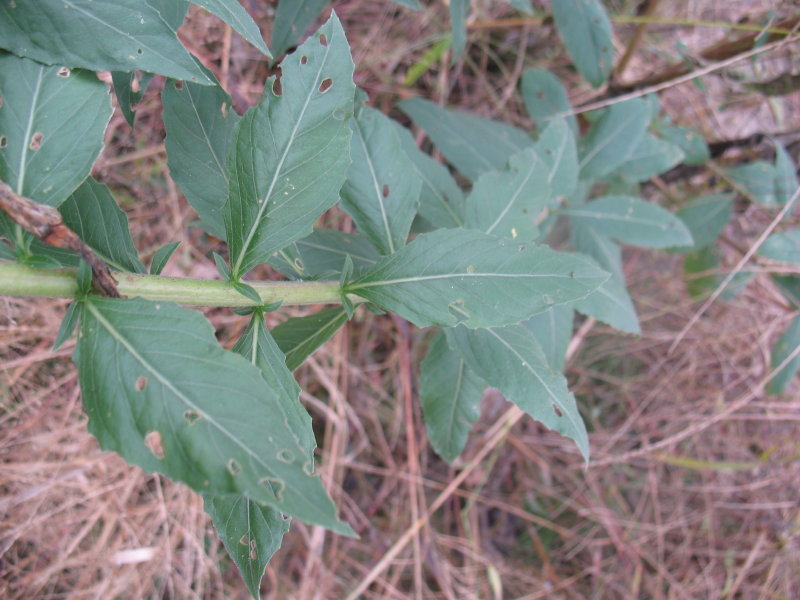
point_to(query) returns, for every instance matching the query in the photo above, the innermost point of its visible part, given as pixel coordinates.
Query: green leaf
(92, 213)
(556, 147)
(693, 145)
(632, 221)
(586, 32)
(471, 144)
(126, 97)
(524, 6)
(450, 394)
(789, 286)
(455, 275)
(553, 330)
(506, 203)
(161, 257)
(381, 193)
(247, 291)
(511, 360)
(84, 278)
(782, 349)
(291, 152)
(611, 303)
(200, 123)
(100, 35)
(458, 26)
(222, 267)
(441, 201)
(705, 217)
(412, 4)
(51, 126)
(545, 97)
(299, 337)
(160, 391)
(251, 532)
(261, 350)
(651, 156)
(784, 247)
(291, 21)
(758, 178)
(785, 175)
(703, 273)
(236, 16)
(613, 138)
(323, 252)
(68, 325)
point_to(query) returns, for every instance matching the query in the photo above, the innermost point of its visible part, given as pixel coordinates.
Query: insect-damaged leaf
(381, 192)
(160, 391)
(586, 31)
(510, 359)
(114, 35)
(51, 127)
(251, 532)
(291, 20)
(450, 393)
(457, 275)
(290, 153)
(200, 122)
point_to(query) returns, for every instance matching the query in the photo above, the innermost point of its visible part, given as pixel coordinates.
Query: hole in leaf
(178, 85)
(244, 540)
(298, 264)
(224, 109)
(63, 72)
(557, 411)
(540, 95)
(140, 384)
(325, 85)
(3, 141)
(286, 456)
(339, 114)
(385, 190)
(253, 544)
(572, 274)
(192, 416)
(308, 468)
(303, 60)
(276, 486)
(323, 39)
(458, 310)
(234, 468)
(277, 88)
(36, 141)
(139, 51)
(253, 555)
(470, 268)
(153, 442)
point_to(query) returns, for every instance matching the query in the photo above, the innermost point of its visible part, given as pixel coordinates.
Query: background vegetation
(693, 485)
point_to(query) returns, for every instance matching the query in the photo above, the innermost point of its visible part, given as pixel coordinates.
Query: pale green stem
(20, 280)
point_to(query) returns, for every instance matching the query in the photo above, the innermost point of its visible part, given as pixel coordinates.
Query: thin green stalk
(21, 280)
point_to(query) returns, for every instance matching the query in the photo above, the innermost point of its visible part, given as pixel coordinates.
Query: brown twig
(45, 223)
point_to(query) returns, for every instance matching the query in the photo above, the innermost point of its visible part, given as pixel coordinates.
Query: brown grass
(692, 491)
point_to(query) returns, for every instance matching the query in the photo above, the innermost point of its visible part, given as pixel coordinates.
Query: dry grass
(693, 487)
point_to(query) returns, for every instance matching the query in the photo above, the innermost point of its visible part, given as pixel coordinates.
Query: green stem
(20, 280)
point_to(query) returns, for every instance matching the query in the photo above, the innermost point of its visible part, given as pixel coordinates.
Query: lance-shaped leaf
(52, 121)
(381, 192)
(290, 153)
(510, 359)
(251, 532)
(458, 25)
(299, 337)
(553, 330)
(200, 122)
(506, 203)
(611, 303)
(545, 97)
(632, 221)
(127, 98)
(783, 348)
(458, 275)
(291, 20)
(689, 141)
(160, 391)
(260, 349)
(705, 217)
(450, 393)
(613, 137)
(323, 254)
(556, 147)
(115, 35)
(586, 31)
(92, 213)
(236, 16)
(471, 144)
(441, 201)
